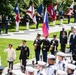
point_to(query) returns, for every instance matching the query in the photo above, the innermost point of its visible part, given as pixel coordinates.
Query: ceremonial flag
(51, 12)
(60, 12)
(70, 11)
(55, 8)
(31, 13)
(45, 27)
(39, 10)
(16, 10)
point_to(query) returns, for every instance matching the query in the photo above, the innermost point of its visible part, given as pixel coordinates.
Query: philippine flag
(16, 10)
(45, 27)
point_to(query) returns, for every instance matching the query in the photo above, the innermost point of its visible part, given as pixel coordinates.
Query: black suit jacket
(63, 40)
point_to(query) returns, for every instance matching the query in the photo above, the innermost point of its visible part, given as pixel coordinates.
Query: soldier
(63, 41)
(50, 69)
(24, 54)
(40, 67)
(0, 23)
(37, 47)
(53, 45)
(61, 63)
(11, 55)
(6, 24)
(70, 69)
(45, 48)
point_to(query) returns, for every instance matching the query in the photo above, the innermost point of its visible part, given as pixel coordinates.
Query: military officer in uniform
(45, 48)
(53, 45)
(50, 69)
(61, 64)
(37, 47)
(63, 41)
(24, 54)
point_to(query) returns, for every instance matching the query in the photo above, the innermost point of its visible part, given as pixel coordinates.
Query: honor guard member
(50, 69)
(29, 70)
(70, 69)
(63, 42)
(61, 64)
(24, 54)
(53, 45)
(11, 55)
(40, 68)
(37, 47)
(45, 48)
(6, 24)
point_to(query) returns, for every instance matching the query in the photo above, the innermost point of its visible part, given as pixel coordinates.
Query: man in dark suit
(53, 45)
(24, 54)
(73, 42)
(63, 41)
(63, 30)
(37, 47)
(45, 48)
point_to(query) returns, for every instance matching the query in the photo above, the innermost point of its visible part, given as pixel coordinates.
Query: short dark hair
(24, 41)
(10, 45)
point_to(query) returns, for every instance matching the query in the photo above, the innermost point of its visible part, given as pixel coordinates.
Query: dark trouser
(37, 55)
(6, 28)
(68, 19)
(44, 53)
(63, 46)
(23, 67)
(37, 25)
(74, 19)
(73, 49)
(70, 48)
(10, 65)
(52, 52)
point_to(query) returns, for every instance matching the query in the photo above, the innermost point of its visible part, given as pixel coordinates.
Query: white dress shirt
(11, 54)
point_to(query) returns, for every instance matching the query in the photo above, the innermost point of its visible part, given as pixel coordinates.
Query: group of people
(55, 59)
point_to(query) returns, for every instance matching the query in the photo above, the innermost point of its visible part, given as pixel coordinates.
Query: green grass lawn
(4, 43)
(33, 26)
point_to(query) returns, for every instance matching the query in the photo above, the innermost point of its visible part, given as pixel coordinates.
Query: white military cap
(30, 69)
(61, 54)
(51, 56)
(60, 72)
(71, 66)
(41, 63)
(17, 72)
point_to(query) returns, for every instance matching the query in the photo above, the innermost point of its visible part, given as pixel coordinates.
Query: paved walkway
(31, 35)
(25, 35)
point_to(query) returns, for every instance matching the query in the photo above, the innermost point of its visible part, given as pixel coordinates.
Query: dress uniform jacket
(24, 52)
(53, 44)
(61, 65)
(37, 44)
(50, 70)
(46, 44)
